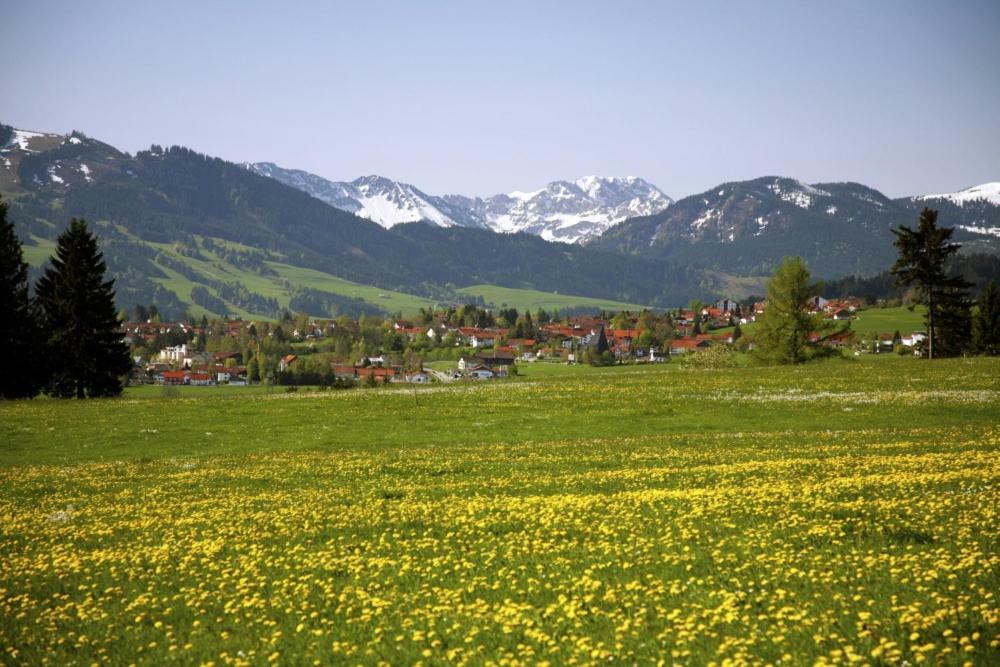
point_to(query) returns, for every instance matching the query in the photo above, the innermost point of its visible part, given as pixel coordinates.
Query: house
(417, 378)
(483, 339)
(200, 379)
(495, 360)
(174, 354)
(383, 374)
(598, 342)
(286, 361)
(727, 305)
(222, 357)
(343, 372)
(172, 377)
(656, 356)
(620, 335)
(817, 303)
(685, 345)
(480, 372)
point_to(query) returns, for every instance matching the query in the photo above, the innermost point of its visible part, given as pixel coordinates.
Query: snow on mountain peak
(566, 211)
(989, 192)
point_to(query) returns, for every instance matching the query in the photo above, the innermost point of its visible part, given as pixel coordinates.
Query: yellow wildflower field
(861, 536)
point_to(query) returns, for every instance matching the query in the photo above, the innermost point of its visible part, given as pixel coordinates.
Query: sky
(478, 98)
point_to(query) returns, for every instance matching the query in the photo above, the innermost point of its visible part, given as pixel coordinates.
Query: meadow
(840, 512)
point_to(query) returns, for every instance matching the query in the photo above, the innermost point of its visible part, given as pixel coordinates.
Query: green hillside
(180, 267)
(523, 299)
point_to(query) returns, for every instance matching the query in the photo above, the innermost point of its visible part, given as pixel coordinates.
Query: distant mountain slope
(746, 227)
(975, 210)
(566, 211)
(373, 197)
(160, 205)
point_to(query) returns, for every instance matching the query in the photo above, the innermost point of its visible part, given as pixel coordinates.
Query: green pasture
(845, 511)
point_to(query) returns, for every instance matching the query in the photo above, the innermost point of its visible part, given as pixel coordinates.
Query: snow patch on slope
(986, 231)
(989, 192)
(22, 138)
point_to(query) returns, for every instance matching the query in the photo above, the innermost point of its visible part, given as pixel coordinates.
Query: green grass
(38, 254)
(843, 510)
(888, 320)
(526, 299)
(387, 299)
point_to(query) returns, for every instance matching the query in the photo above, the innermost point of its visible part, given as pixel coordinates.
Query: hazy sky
(485, 97)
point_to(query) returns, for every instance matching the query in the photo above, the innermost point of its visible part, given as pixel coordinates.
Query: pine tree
(986, 322)
(22, 373)
(921, 264)
(782, 334)
(77, 306)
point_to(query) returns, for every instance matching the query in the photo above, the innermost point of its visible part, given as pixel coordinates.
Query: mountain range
(192, 232)
(565, 211)
(840, 229)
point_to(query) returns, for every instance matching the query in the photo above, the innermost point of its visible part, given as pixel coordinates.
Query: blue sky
(485, 97)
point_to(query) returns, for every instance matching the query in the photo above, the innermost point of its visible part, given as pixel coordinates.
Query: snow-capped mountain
(989, 192)
(975, 209)
(838, 228)
(566, 211)
(45, 159)
(379, 199)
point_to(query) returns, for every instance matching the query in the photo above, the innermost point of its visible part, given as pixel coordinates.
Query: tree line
(64, 340)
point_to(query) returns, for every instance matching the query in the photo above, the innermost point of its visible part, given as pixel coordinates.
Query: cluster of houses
(493, 350)
(177, 365)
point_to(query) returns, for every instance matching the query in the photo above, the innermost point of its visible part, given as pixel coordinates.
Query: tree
(19, 324)
(782, 334)
(986, 322)
(921, 264)
(253, 371)
(77, 305)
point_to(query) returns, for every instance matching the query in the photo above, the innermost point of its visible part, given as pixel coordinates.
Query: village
(478, 343)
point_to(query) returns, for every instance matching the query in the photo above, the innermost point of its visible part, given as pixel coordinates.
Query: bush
(717, 356)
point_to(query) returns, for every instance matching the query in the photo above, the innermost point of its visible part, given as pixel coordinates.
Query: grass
(526, 299)
(841, 511)
(888, 320)
(40, 252)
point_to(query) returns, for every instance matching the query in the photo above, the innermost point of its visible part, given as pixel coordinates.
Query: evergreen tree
(986, 322)
(20, 376)
(737, 332)
(782, 334)
(922, 255)
(77, 307)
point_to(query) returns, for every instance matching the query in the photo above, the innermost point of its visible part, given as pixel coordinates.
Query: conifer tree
(22, 372)
(921, 264)
(986, 322)
(77, 309)
(782, 334)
